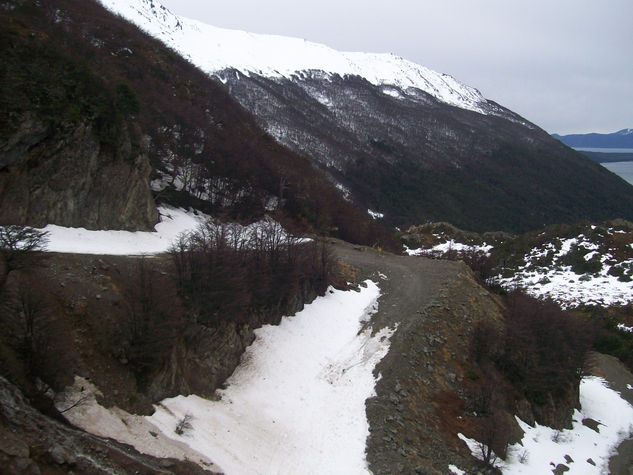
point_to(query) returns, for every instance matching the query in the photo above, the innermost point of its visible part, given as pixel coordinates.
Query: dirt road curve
(406, 284)
(435, 304)
(425, 356)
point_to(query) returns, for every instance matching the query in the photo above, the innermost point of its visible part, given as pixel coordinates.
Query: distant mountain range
(621, 139)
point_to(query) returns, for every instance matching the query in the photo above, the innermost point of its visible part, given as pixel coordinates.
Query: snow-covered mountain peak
(216, 49)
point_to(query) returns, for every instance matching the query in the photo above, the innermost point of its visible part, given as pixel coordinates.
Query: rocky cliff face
(71, 150)
(204, 357)
(70, 178)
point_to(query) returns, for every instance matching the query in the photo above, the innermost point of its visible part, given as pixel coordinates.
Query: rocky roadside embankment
(419, 407)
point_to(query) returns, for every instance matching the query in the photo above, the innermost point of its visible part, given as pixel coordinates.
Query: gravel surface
(415, 417)
(417, 411)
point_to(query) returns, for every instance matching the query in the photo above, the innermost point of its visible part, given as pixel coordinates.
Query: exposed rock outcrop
(202, 360)
(70, 178)
(204, 357)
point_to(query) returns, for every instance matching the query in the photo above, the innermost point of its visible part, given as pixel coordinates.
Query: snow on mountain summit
(215, 49)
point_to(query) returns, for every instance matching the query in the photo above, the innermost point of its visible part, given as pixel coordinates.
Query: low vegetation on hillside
(124, 317)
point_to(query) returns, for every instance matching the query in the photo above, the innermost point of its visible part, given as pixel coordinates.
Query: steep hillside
(95, 112)
(398, 138)
(416, 159)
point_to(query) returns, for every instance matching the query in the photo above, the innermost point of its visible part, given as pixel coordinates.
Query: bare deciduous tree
(20, 247)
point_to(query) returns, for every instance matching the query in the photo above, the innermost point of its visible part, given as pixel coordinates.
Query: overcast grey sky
(566, 65)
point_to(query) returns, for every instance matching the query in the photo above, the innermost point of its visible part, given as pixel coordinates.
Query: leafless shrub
(226, 272)
(20, 248)
(184, 424)
(79, 402)
(557, 436)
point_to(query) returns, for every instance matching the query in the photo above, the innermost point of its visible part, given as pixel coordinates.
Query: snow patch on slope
(173, 221)
(543, 448)
(594, 267)
(576, 271)
(215, 49)
(295, 403)
(446, 248)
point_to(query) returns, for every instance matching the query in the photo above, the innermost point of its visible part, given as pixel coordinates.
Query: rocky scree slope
(396, 137)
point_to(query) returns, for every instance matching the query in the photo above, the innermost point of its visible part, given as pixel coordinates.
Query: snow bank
(82, 241)
(543, 448)
(297, 401)
(173, 222)
(447, 247)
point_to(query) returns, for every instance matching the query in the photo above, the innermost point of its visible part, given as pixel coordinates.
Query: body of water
(624, 169)
(604, 150)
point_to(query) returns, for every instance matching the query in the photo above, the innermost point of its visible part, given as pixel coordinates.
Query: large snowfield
(296, 403)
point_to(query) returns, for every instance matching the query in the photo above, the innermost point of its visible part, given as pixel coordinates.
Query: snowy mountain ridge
(215, 49)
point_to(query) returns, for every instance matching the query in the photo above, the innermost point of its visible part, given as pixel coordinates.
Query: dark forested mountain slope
(417, 159)
(89, 100)
(93, 112)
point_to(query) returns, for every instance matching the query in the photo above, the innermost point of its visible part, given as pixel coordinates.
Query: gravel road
(431, 302)
(434, 303)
